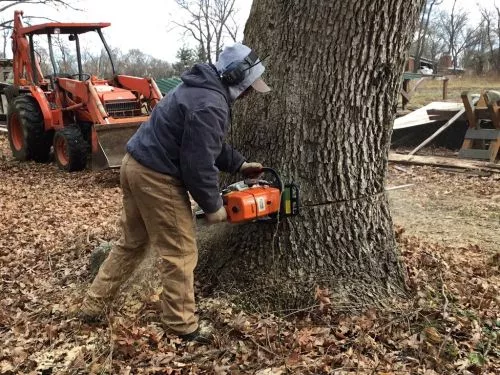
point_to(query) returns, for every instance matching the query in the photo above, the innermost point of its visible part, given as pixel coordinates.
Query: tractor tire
(27, 136)
(70, 149)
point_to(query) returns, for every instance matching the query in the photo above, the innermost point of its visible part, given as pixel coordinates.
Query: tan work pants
(157, 213)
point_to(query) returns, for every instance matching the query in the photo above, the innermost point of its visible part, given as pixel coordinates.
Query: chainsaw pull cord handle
(276, 176)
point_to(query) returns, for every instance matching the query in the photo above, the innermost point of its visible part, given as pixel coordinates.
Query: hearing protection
(234, 73)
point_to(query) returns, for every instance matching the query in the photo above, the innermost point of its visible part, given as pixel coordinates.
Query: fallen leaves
(51, 221)
(432, 335)
(323, 297)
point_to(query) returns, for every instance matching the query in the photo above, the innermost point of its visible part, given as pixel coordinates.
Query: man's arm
(229, 160)
(201, 146)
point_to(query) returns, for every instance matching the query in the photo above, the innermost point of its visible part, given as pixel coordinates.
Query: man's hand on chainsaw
(251, 170)
(218, 216)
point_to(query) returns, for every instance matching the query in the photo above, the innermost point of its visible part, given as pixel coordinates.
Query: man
(179, 149)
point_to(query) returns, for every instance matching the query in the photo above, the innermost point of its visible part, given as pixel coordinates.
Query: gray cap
(238, 52)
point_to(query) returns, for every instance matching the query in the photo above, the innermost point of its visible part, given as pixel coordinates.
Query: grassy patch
(430, 91)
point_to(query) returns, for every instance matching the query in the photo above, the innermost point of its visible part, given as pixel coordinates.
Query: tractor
(84, 119)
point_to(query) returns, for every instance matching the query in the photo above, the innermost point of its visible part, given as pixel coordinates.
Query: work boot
(202, 335)
(92, 311)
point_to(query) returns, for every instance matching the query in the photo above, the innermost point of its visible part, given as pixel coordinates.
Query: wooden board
(432, 112)
(440, 161)
(488, 134)
(474, 153)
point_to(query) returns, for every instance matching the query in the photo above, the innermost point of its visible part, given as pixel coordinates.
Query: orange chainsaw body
(253, 203)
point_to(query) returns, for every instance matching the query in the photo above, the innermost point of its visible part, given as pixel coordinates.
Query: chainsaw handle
(275, 174)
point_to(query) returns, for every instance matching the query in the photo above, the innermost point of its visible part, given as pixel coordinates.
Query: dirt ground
(447, 207)
(51, 221)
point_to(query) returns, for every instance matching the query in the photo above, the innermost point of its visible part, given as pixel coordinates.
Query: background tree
(5, 34)
(8, 4)
(99, 64)
(7, 11)
(488, 21)
(435, 45)
(457, 32)
(186, 57)
(423, 29)
(209, 23)
(159, 68)
(496, 31)
(95, 63)
(478, 56)
(43, 57)
(135, 62)
(327, 126)
(65, 58)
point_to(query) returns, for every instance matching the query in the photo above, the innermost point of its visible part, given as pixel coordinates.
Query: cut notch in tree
(326, 126)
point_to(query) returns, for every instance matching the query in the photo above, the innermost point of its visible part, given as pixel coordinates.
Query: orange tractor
(82, 117)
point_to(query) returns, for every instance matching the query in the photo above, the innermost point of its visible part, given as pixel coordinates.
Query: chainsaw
(260, 200)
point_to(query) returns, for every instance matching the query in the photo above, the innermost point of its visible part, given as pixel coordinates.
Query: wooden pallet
(482, 140)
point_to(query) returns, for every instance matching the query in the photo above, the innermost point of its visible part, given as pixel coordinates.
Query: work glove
(251, 170)
(218, 216)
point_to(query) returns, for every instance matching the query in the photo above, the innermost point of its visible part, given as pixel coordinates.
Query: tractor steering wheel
(85, 76)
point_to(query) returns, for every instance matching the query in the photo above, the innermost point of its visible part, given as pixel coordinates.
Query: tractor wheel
(70, 149)
(27, 137)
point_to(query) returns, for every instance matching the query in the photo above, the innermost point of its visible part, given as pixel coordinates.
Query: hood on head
(235, 53)
(204, 76)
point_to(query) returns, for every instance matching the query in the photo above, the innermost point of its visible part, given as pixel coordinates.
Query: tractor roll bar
(78, 57)
(106, 47)
(33, 64)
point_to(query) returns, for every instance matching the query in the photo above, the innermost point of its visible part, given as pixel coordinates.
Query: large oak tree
(335, 68)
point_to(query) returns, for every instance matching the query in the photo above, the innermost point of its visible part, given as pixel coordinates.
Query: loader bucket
(111, 144)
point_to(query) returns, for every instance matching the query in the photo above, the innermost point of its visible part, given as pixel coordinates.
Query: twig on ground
(110, 355)
(269, 351)
(390, 188)
(445, 307)
(309, 308)
(395, 320)
(267, 338)
(88, 237)
(401, 169)
(445, 314)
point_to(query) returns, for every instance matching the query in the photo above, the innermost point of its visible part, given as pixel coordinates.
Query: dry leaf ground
(447, 227)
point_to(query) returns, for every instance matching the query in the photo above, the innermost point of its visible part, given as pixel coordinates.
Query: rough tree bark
(335, 69)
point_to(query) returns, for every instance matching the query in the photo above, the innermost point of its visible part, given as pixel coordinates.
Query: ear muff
(234, 73)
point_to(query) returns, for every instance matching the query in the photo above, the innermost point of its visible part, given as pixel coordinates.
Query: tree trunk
(498, 38)
(418, 51)
(424, 35)
(335, 69)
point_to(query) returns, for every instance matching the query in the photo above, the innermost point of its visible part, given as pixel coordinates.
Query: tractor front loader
(75, 113)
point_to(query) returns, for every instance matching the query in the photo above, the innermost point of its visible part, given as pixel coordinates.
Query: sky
(142, 24)
(147, 24)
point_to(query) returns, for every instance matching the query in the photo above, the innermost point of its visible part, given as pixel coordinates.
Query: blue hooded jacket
(184, 136)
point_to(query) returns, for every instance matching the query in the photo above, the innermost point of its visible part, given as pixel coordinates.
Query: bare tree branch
(457, 32)
(8, 24)
(423, 29)
(11, 3)
(210, 23)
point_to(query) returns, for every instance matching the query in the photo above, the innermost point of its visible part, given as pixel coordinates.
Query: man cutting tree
(180, 148)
